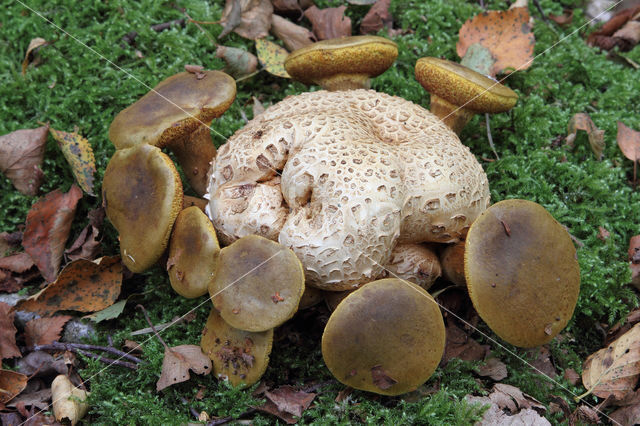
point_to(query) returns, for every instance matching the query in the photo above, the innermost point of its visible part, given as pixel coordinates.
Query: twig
(192, 410)
(248, 75)
(159, 327)
(166, 25)
(107, 360)
(539, 7)
(59, 346)
(197, 24)
(493, 148)
(315, 387)
(223, 420)
(155, 332)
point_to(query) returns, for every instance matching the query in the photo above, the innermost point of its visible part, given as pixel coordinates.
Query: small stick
(223, 420)
(192, 410)
(155, 332)
(159, 327)
(166, 25)
(539, 7)
(197, 24)
(59, 346)
(107, 360)
(493, 148)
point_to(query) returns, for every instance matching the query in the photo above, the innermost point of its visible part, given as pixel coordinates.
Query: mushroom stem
(455, 117)
(194, 154)
(345, 82)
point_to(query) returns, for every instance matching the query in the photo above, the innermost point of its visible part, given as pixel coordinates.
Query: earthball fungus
(341, 178)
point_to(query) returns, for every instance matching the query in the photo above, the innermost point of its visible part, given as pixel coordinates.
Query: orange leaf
(507, 34)
(628, 141)
(8, 348)
(44, 331)
(79, 155)
(82, 285)
(11, 384)
(582, 121)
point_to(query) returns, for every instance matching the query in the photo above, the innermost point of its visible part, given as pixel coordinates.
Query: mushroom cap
(193, 253)
(237, 355)
(452, 262)
(367, 55)
(386, 337)
(462, 86)
(361, 172)
(258, 284)
(417, 263)
(522, 272)
(142, 195)
(173, 109)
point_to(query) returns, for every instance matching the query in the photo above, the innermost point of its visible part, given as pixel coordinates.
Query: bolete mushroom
(177, 114)
(257, 285)
(458, 92)
(417, 263)
(522, 272)
(386, 337)
(452, 262)
(341, 178)
(142, 195)
(342, 63)
(193, 253)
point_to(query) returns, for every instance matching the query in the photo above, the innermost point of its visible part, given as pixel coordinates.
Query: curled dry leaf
(565, 19)
(513, 399)
(272, 57)
(329, 23)
(8, 348)
(42, 364)
(86, 246)
(11, 384)
(177, 363)
(495, 416)
(628, 141)
(381, 378)
(286, 402)
(460, 345)
(507, 34)
(69, 402)
(608, 36)
(44, 331)
(239, 61)
(83, 286)
(21, 154)
(47, 229)
(614, 370)
(493, 368)
(377, 18)
(34, 44)
(293, 36)
(79, 154)
(248, 18)
(582, 121)
(18, 263)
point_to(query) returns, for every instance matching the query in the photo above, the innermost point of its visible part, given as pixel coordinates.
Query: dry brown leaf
(86, 246)
(377, 18)
(289, 400)
(493, 368)
(69, 402)
(34, 44)
(565, 19)
(41, 364)
(8, 348)
(82, 285)
(39, 399)
(248, 18)
(293, 36)
(629, 32)
(11, 384)
(460, 345)
(513, 399)
(629, 415)
(584, 415)
(329, 23)
(18, 263)
(603, 234)
(571, 376)
(44, 331)
(290, 7)
(614, 370)
(21, 154)
(132, 346)
(628, 141)
(507, 34)
(634, 249)
(605, 37)
(495, 416)
(381, 378)
(582, 121)
(177, 363)
(239, 62)
(541, 361)
(9, 242)
(257, 108)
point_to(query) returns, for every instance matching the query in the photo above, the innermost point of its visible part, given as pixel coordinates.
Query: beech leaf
(377, 18)
(459, 344)
(8, 348)
(381, 377)
(293, 36)
(44, 331)
(493, 368)
(272, 57)
(582, 121)
(21, 154)
(286, 402)
(177, 363)
(628, 141)
(329, 23)
(34, 44)
(248, 18)
(11, 384)
(86, 245)
(78, 153)
(19, 263)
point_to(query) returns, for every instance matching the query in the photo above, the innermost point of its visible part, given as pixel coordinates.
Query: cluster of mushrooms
(358, 197)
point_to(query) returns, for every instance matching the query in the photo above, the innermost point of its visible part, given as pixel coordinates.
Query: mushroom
(417, 263)
(452, 262)
(386, 337)
(311, 297)
(142, 195)
(177, 114)
(458, 92)
(257, 285)
(341, 178)
(193, 253)
(522, 272)
(237, 355)
(342, 63)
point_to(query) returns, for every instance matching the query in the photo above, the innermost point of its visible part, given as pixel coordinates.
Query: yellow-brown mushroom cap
(366, 55)
(462, 86)
(522, 273)
(142, 195)
(386, 337)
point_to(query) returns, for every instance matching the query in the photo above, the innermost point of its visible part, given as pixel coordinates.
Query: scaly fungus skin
(341, 178)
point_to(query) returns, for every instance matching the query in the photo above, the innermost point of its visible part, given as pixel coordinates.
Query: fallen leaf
(41, 364)
(39, 399)
(603, 234)
(513, 399)
(291, 7)
(381, 378)
(34, 44)
(257, 108)
(541, 361)
(21, 154)
(272, 57)
(629, 415)
(69, 402)
(571, 376)
(377, 18)
(289, 400)
(565, 19)
(239, 62)
(8, 348)
(605, 37)
(582, 121)
(507, 34)
(519, 3)
(614, 370)
(630, 32)
(79, 154)
(460, 345)
(329, 23)
(82, 285)
(344, 394)
(47, 229)
(495, 416)
(18, 263)
(628, 141)
(86, 246)
(248, 18)
(177, 363)
(132, 346)
(10, 419)
(634, 249)
(361, 2)
(44, 331)
(108, 313)
(9, 242)
(585, 415)
(11, 384)
(293, 36)
(494, 369)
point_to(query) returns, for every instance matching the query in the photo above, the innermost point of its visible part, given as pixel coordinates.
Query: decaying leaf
(381, 378)
(361, 2)
(34, 44)
(582, 121)
(110, 312)
(513, 399)
(86, 245)
(11, 384)
(495, 416)
(629, 415)
(248, 18)
(257, 108)
(291, 7)
(460, 345)
(44, 331)
(8, 348)
(177, 363)
(628, 141)
(21, 154)
(507, 34)
(377, 18)
(82, 285)
(286, 402)
(565, 19)
(614, 370)
(272, 57)
(79, 154)
(69, 402)
(493, 368)
(293, 36)
(616, 33)
(19, 263)
(238, 61)
(329, 23)
(39, 399)
(41, 364)
(634, 260)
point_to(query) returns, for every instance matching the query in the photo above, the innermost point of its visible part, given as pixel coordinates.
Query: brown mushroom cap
(386, 337)
(417, 263)
(452, 262)
(142, 195)
(258, 284)
(311, 297)
(193, 253)
(522, 273)
(342, 63)
(237, 355)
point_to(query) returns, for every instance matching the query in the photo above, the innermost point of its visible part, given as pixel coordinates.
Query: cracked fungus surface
(341, 178)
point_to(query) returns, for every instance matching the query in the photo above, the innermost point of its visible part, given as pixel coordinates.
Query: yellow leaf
(272, 57)
(79, 155)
